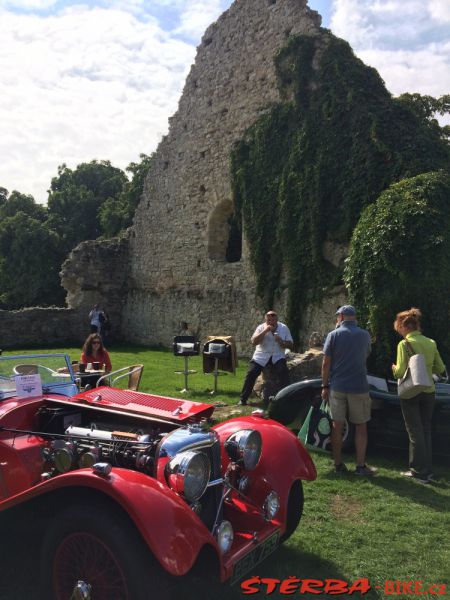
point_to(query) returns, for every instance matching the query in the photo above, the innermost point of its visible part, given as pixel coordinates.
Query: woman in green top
(417, 411)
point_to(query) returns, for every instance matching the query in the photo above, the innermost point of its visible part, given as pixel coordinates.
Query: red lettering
(418, 588)
(250, 586)
(438, 589)
(289, 586)
(407, 587)
(271, 584)
(311, 586)
(360, 585)
(389, 587)
(335, 587)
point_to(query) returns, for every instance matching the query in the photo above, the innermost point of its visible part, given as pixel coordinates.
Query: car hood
(149, 405)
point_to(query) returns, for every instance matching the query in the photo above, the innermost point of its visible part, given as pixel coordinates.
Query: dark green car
(386, 427)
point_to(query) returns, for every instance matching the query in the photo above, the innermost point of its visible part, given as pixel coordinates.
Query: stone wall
(178, 268)
(95, 272)
(172, 266)
(40, 327)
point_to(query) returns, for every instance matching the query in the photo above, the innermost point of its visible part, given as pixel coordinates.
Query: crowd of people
(344, 378)
(345, 387)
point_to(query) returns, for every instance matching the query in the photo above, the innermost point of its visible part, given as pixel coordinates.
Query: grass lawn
(383, 529)
(159, 375)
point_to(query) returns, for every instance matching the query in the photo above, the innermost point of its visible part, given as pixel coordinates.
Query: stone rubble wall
(178, 270)
(40, 327)
(96, 272)
(171, 266)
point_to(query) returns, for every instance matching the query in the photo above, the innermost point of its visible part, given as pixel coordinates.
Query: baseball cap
(347, 310)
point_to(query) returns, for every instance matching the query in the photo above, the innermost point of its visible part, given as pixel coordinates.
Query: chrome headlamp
(244, 447)
(188, 474)
(225, 536)
(271, 505)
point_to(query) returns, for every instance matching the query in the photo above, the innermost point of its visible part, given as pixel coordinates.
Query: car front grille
(210, 501)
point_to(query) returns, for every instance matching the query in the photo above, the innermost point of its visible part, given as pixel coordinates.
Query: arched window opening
(224, 233)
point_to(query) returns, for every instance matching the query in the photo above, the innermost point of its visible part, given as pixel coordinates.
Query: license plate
(257, 555)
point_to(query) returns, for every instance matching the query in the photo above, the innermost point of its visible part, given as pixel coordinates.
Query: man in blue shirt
(345, 387)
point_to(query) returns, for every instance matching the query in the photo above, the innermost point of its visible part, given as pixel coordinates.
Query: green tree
(304, 172)
(30, 260)
(117, 214)
(399, 258)
(17, 202)
(76, 197)
(3, 196)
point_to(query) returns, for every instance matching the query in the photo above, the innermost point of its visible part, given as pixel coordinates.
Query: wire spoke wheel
(84, 556)
(93, 544)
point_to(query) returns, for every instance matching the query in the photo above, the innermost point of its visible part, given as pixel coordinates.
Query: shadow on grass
(283, 564)
(426, 494)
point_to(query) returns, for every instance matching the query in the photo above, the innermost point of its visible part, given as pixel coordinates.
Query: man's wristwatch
(325, 386)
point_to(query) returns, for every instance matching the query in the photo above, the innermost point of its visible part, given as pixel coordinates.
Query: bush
(399, 258)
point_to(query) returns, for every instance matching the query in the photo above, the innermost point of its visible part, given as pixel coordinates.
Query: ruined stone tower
(178, 269)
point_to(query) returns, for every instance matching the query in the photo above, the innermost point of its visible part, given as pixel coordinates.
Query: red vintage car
(140, 488)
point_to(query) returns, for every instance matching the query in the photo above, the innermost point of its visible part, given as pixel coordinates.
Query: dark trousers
(418, 412)
(279, 371)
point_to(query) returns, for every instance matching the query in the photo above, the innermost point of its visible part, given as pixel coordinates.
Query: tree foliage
(399, 258)
(30, 261)
(93, 200)
(76, 197)
(17, 202)
(305, 171)
(116, 214)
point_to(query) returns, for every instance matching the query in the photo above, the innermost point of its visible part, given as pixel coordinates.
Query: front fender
(284, 459)
(294, 400)
(173, 532)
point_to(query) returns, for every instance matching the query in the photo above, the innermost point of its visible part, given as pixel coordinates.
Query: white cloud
(439, 10)
(401, 39)
(82, 85)
(197, 15)
(27, 4)
(99, 80)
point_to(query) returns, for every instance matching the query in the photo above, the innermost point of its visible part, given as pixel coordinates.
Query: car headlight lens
(244, 447)
(224, 536)
(188, 474)
(271, 505)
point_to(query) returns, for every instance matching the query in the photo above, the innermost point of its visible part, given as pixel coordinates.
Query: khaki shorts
(357, 405)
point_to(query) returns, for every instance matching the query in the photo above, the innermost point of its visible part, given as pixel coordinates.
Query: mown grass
(159, 375)
(384, 529)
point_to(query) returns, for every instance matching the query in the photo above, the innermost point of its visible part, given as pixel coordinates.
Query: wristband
(325, 386)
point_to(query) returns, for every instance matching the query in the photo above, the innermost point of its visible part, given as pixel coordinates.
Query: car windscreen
(53, 370)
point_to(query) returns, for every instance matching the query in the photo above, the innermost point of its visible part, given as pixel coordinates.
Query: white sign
(28, 385)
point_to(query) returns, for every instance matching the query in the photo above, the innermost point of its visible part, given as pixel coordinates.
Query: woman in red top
(94, 351)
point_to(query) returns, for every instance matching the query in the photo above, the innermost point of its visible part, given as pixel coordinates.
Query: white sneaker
(413, 475)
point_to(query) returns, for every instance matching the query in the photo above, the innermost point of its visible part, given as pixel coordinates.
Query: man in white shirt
(94, 317)
(271, 339)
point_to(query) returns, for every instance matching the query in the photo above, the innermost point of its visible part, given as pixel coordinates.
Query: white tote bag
(416, 378)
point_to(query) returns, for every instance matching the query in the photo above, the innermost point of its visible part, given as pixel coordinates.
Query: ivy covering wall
(306, 170)
(399, 258)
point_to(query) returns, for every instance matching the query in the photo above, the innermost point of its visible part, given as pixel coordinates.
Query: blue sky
(98, 79)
